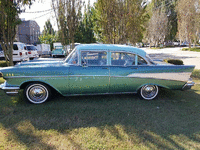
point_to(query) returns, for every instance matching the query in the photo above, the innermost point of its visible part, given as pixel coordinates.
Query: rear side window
(122, 59)
(15, 47)
(141, 61)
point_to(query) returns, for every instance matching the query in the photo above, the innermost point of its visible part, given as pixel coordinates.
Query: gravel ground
(188, 57)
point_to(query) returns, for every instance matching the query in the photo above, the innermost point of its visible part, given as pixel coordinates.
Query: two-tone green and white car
(58, 51)
(92, 69)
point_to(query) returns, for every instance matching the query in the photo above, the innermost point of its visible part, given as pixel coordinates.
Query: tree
(48, 28)
(9, 19)
(48, 34)
(188, 20)
(167, 9)
(68, 13)
(157, 27)
(119, 21)
(85, 30)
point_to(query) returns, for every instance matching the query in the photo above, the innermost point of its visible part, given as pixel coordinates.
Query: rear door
(124, 66)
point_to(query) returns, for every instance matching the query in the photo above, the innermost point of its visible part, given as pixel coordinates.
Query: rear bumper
(188, 85)
(12, 91)
(20, 59)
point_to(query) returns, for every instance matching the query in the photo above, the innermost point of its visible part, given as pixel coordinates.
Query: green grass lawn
(102, 122)
(195, 49)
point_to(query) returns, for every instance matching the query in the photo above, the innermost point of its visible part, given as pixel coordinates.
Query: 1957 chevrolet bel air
(95, 69)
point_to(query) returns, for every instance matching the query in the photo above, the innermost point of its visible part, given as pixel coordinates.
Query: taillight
(20, 53)
(29, 52)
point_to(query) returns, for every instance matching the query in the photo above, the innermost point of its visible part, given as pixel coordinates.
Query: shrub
(196, 73)
(174, 61)
(3, 64)
(195, 49)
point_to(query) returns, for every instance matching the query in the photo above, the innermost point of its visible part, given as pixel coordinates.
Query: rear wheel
(37, 93)
(149, 92)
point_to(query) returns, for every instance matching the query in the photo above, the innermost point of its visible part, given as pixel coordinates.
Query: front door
(92, 75)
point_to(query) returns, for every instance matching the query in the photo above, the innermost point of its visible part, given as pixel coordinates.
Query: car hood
(40, 63)
(40, 68)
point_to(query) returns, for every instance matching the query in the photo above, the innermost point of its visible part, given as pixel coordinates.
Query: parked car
(32, 51)
(58, 51)
(92, 69)
(19, 53)
(43, 49)
(1, 53)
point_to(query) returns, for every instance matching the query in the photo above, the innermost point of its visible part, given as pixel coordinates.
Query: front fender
(25, 83)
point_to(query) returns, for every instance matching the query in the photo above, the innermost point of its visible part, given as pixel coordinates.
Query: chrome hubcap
(149, 92)
(37, 93)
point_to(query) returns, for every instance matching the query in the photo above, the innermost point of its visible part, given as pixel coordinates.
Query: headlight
(1, 74)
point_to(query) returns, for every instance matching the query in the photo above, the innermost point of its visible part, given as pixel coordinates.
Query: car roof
(113, 47)
(29, 45)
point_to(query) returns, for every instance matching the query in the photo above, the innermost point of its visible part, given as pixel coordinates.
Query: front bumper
(12, 91)
(188, 85)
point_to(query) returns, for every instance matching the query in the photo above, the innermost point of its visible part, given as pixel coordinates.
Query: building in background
(28, 32)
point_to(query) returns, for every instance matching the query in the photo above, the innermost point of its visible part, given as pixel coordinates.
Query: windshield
(72, 57)
(31, 48)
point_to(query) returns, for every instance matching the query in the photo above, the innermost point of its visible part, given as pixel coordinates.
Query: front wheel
(37, 93)
(149, 92)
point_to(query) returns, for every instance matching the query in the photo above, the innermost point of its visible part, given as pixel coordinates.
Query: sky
(42, 17)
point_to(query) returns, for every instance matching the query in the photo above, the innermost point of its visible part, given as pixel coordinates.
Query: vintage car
(58, 51)
(95, 69)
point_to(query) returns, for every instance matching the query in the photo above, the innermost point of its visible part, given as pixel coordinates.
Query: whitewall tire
(37, 93)
(149, 92)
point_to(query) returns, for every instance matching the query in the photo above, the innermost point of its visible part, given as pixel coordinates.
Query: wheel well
(159, 87)
(23, 86)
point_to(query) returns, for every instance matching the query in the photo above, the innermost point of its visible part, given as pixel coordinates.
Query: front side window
(122, 59)
(90, 58)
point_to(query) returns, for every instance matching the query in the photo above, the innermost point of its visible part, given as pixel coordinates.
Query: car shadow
(152, 123)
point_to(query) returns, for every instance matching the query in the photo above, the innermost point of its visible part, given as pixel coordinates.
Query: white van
(43, 49)
(19, 54)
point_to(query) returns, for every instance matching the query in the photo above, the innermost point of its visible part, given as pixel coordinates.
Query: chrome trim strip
(55, 76)
(100, 93)
(179, 76)
(10, 88)
(11, 92)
